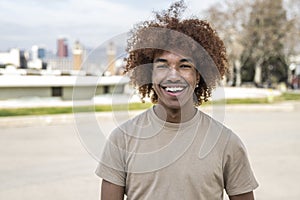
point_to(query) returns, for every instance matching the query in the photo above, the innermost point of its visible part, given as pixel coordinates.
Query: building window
(106, 89)
(56, 91)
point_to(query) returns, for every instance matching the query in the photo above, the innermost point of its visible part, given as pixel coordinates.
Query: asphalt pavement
(45, 157)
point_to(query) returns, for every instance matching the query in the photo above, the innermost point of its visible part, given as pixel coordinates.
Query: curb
(57, 119)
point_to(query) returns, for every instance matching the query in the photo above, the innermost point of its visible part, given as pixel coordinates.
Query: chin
(173, 104)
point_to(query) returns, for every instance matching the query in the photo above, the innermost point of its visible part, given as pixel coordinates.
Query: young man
(173, 150)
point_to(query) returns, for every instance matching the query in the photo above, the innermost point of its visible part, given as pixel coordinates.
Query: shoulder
(211, 123)
(215, 128)
(235, 151)
(235, 144)
(217, 135)
(220, 137)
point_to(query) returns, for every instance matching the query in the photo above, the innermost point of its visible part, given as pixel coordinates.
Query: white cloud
(25, 23)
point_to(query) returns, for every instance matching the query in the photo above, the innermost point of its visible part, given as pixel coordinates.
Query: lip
(175, 86)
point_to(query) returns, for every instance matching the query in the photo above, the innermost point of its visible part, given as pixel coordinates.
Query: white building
(11, 58)
(65, 87)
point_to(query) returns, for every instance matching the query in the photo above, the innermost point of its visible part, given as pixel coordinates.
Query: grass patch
(289, 96)
(248, 101)
(66, 110)
(34, 111)
(120, 107)
(238, 101)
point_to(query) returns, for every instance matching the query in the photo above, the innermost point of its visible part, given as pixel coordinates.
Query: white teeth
(174, 89)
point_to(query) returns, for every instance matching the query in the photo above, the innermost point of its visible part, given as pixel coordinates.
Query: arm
(110, 191)
(246, 196)
(238, 175)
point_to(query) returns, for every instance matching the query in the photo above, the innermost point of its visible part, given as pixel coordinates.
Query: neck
(175, 115)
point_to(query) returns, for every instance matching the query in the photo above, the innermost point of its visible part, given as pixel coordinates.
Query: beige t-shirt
(154, 159)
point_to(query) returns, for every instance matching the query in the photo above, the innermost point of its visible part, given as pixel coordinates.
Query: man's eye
(185, 66)
(161, 66)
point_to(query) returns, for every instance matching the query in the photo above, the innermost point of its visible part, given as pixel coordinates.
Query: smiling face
(174, 80)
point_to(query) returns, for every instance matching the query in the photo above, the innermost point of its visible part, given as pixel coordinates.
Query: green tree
(292, 45)
(264, 43)
(229, 18)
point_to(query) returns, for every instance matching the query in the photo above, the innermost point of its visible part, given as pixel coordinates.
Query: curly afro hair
(168, 32)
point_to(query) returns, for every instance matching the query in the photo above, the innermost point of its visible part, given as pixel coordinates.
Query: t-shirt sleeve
(111, 166)
(237, 172)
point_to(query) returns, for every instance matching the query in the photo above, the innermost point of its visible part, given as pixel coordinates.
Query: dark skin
(110, 191)
(172, 70)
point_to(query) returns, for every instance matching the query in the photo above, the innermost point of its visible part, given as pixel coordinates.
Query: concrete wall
(13, 92)
(67, 93)
(86, 87)
(80, 93)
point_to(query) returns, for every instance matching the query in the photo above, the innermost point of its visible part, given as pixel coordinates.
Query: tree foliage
(264, 41)
(259, 34)
(229, 18)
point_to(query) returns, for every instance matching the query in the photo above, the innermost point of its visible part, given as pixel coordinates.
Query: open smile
(173, 90)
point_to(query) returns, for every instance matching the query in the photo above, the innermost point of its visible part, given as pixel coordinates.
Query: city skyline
(34, 22)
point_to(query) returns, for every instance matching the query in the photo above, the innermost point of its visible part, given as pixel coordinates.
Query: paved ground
(43, 158)
(273, 142)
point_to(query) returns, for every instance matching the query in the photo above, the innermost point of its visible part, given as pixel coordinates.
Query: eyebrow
(187, 60)
(160, 60)
(181, 60)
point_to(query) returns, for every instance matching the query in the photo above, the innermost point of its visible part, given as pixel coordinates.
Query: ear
(198, 77)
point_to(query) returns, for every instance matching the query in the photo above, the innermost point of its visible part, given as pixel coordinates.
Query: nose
(173, 75)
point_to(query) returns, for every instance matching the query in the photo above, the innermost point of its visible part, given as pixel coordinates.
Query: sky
(25, 23)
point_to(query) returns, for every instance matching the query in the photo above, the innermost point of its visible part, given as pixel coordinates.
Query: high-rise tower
(77, 55)
(62, 47)
(111, 56)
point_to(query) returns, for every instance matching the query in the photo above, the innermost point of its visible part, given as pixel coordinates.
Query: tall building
(62, 48)
(111, 59)
(38, 52)
(77, 55)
